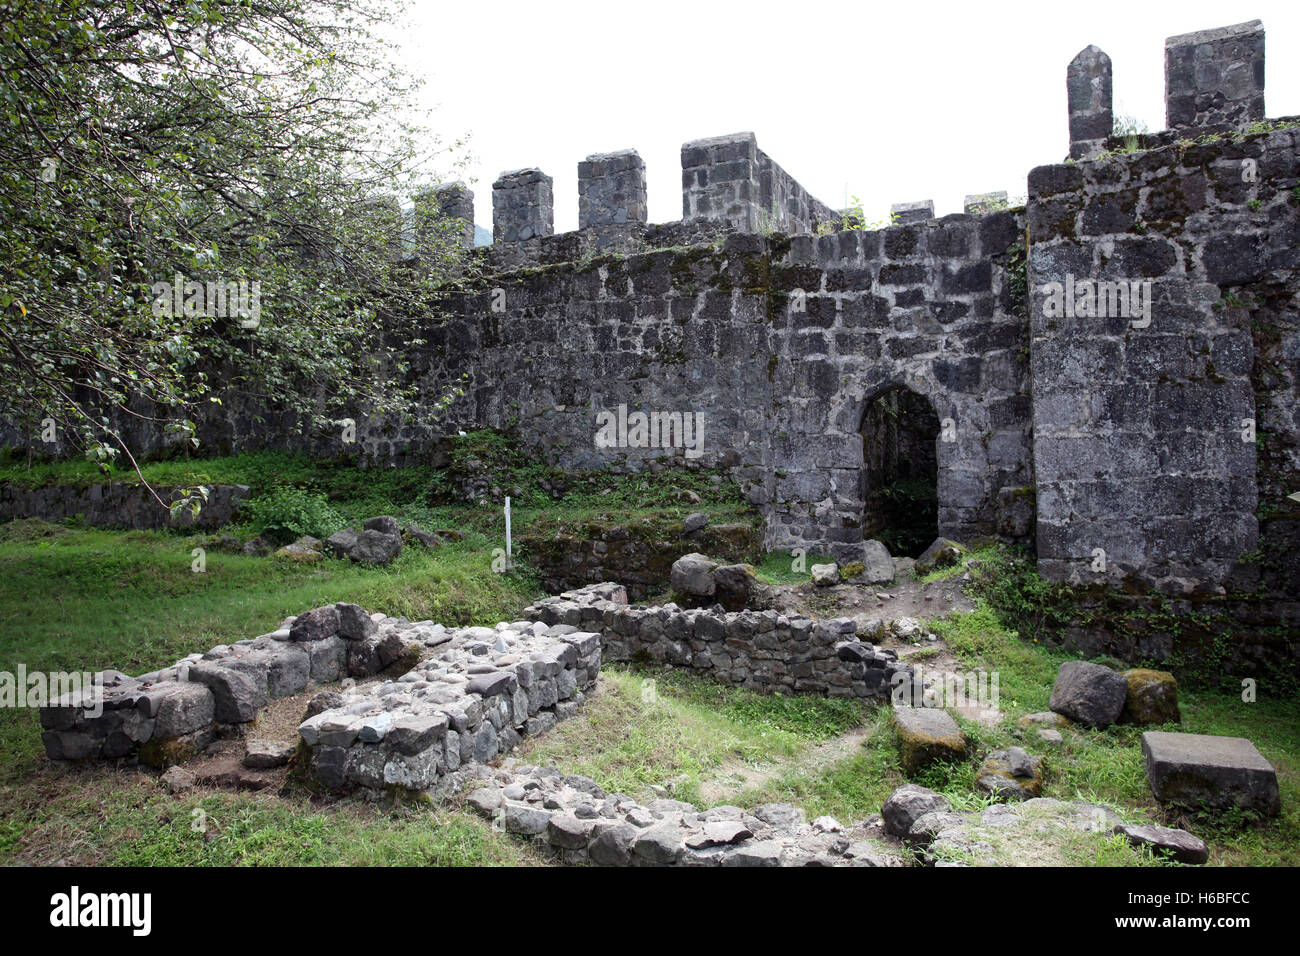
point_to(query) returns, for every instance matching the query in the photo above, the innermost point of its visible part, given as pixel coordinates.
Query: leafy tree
(268, 141)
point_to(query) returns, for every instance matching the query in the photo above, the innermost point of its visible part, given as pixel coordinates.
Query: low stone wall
(118, 505)
(167, 715)
(573, 818)
(760, 650)
(475, 698)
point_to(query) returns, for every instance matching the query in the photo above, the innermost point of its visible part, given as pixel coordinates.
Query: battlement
(1214, 82)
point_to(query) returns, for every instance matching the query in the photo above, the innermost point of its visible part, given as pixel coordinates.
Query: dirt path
(734, 775)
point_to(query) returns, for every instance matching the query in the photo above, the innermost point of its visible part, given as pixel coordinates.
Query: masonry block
(1215, 77)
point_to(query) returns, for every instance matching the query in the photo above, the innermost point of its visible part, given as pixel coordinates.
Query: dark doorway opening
(900, 473)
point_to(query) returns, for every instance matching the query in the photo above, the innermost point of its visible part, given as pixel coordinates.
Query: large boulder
(908, 804)
(942, 553)
(1203, 770)
(1089, 694)
(1152, 697)
(376, 547)
(354, 623)
(927, 735)
(692, 577)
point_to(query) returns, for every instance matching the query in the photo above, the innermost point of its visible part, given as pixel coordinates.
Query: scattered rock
(908, 804)
(1010, 775)
(825, 575)
(877, 567)
(325, 700)
(694, 522)
(1089, 694)
(267, 754)
(943, 553)
(1181, 845)
(1152, 697)
(376, 547)
(177, 780)
(1043, 718)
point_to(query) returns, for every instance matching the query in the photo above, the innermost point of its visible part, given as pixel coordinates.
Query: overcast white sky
(889, 102)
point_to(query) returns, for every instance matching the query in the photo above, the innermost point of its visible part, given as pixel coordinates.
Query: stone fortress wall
(1113, 444)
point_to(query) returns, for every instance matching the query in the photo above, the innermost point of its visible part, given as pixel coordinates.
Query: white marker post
(507, 532)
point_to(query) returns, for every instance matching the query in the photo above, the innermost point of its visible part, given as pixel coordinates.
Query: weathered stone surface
(186, 709)
(341, 543)
(1010, 775)
(719, 833)
(1089, 694)
(908, 804)
(1152, 697)
(877, 565)
(384, 524)
(1181, 845)
(926, 735)
(177, 780)
(1204, 770)
(375, 547)
(692, 576)
(525, 819)
(942, 553)
(315, 625)
(267, 754)
(354, 623)
(613, 845)
(694, 522)
(238, 696)
(825, 575)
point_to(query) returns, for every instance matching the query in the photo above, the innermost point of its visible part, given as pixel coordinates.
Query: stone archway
(900, 469)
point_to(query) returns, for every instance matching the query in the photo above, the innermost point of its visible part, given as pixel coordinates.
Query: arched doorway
(900, 472)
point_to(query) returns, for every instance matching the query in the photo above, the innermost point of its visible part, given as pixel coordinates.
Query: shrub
(289, 513)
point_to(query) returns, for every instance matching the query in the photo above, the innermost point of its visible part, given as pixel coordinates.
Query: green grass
(100, 817)
(73, 598)
(655, 727)
(778, 567)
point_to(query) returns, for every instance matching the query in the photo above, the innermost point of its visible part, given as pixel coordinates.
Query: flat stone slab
(1200, 769)
(1181, 845)
(927, 734)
